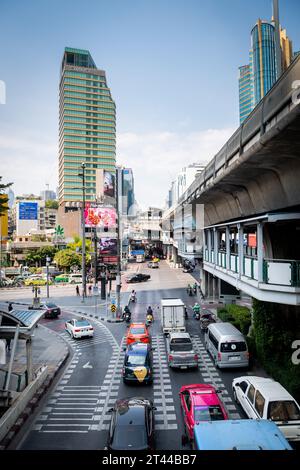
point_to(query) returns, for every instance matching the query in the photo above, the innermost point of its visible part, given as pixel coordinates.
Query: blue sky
(172, 67)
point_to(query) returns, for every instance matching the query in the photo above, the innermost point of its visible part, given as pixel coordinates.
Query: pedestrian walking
(77, 291)
(8, 344)
(10, 307)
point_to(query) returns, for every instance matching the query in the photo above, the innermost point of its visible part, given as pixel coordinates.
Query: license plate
(183, 367)
(234, 358)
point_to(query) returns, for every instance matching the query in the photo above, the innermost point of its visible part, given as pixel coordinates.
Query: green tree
(40, 255)
(3, 199)
(76, 245)
(51, 204)
(67, 258)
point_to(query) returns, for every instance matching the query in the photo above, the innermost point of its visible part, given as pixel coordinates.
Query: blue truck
(244, 434)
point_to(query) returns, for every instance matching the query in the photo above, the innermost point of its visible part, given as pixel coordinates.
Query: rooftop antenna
(277, 38)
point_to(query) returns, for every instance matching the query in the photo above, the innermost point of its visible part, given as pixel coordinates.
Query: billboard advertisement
(100, 216)
(109, 184)
(108, 246)
(28, 211)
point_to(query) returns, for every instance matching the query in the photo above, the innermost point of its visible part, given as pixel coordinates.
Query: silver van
(226, 345)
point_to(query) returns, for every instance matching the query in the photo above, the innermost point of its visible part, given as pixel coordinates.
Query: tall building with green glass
(87, 125)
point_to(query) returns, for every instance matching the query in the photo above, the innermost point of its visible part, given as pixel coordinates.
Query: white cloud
(156, 158)
(29, 162)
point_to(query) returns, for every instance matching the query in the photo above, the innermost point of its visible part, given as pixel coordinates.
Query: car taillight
(170, 357)
(77, 330)
(196, 357)
(219, 356)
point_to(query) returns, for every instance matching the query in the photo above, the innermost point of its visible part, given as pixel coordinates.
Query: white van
(75, 278)
(263, 398)
(226, 345)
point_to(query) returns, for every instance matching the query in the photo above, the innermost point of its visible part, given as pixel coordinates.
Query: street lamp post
(47, 267)
(82, 175)
(118, 277)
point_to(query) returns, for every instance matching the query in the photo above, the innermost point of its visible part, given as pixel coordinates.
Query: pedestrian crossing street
(85, 408)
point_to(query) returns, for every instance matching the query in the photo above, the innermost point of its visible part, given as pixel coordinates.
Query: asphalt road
(75, 413)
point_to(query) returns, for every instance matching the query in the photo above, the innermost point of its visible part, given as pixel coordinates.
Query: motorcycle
(197, 315)
(149, 319)
(190, 291)
(128, 317)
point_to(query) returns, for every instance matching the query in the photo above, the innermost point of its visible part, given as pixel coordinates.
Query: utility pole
(118, 277)
(47, 267)
(96, 257)
(82, 175)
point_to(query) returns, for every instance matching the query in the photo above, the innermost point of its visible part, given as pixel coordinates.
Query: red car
(200, 402)
(137, 332)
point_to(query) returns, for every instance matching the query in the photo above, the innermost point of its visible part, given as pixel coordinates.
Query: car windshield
(50, 305)
(234, 346)
(135, 360)
(285, 410)
(208, 413)
(132, 437)
(137, 331)
(82, 323)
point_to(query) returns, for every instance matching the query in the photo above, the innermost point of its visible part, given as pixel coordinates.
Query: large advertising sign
(108, 246)
(28, 211)
(100, 216)
(109, 184)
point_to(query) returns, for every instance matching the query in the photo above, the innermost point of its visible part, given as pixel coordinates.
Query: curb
(33, 403)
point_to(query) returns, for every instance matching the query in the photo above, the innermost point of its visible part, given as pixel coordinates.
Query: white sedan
(79, 328)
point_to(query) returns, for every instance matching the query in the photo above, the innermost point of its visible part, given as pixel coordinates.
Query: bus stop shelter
(18, 325)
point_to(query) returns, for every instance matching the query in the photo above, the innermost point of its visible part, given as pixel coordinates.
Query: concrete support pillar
(209, 285)
(208, 232)
(29, 360)
(215, 246)
(260, 252)
(227, 239)
(203, 278)
(216, 289)
(241, 249)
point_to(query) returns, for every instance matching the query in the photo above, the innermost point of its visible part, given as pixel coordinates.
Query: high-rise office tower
(245, 91)
(264, 58)
(267, 62)
(87, 127)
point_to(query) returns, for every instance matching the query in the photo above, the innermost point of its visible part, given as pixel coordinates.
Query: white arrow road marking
(87, 366)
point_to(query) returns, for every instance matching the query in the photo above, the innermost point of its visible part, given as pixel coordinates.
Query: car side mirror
(237, 385)
(110, 410)
(153, 349)
(124, 349)
(219, 390)
(154, 408)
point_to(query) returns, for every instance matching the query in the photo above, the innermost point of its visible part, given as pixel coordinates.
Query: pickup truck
(180, 351)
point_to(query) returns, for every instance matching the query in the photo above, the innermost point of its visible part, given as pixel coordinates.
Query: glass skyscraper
(264, 59)
(258, 77)
(245, 91)
(87, 125)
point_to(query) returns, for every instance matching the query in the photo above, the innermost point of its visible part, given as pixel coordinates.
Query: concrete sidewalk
(48, 349)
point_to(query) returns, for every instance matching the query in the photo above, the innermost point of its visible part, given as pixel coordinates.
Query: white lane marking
(87, 366)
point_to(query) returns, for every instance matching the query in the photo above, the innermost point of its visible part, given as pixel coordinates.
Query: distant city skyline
(172, 71)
